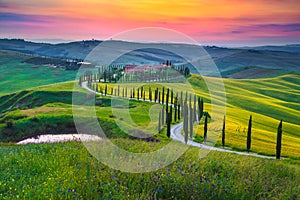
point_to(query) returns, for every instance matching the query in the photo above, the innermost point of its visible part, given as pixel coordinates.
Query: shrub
(9, 123)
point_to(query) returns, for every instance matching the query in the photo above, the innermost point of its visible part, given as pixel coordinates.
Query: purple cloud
(14, 17)
(295, 27)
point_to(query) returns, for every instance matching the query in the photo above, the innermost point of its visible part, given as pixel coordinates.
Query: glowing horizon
(231, 23)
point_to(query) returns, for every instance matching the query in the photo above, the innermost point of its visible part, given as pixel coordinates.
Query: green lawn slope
(48, 109)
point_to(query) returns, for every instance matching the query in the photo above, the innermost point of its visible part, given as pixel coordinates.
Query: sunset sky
(218, 22)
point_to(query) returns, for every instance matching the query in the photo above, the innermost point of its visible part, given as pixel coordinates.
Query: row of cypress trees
(182, 108)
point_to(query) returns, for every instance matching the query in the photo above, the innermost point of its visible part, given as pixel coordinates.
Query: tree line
(118, 73)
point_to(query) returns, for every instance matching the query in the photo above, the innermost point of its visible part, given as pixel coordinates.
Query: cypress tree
(205, 128)
(130, 93)
(186, 96)
(138, 93)
(223, 132)
(171, 108)
(159, 122)
(150, 94)
(142, 92)
(178, 111)
(144, 95)
(175, 108)
(169, 117)
(162, 116)
(163, 96)
(133, 95)
(186, 134)
(194, 110)
(199, 109)
(181, 100)
(118, 90)
(123, 92)
(175, 112)
(167, 100)
(186, 115)
(202, 108)
(105, 90)
(279, 139)
(249, 134)
(191, 122)
(158, 97)
(172, 96)
(190, 100)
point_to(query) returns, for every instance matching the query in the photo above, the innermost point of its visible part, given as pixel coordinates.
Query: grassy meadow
(68, 171)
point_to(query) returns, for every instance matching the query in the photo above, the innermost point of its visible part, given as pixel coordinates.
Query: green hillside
(69, 171)
(16, 76)
(268, 100)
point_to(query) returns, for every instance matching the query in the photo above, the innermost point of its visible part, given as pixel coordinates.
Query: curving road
(176, 135)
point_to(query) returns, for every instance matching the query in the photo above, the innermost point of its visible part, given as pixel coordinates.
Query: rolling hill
(281, 59)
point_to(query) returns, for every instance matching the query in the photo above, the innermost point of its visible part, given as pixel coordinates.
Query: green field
(15, 75)
(244, 97)
(68, 171)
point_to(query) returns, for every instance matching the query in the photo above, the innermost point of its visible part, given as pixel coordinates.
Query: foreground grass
(68, 171)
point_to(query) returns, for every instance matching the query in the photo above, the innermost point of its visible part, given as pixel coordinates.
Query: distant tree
(279, 140)
(105, 90)
(223, 133)
(249, 134)
(186, 71)
(205, 128)
(79, 81)
(138, 93)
